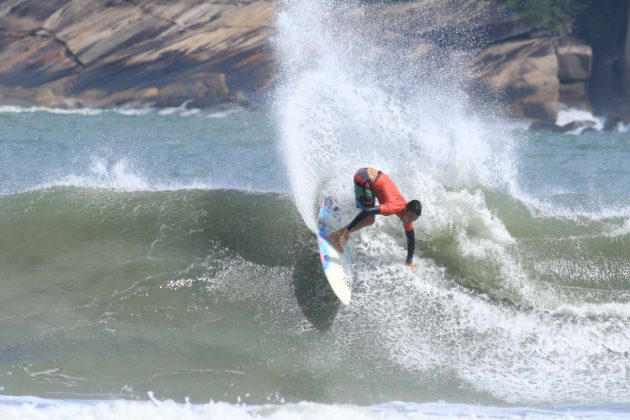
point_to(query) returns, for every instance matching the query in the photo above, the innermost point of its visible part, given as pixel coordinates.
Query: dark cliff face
(605, 26)
(102, 53)
(203, 52)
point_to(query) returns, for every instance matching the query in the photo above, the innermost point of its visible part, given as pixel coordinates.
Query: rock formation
(535, 75)
(104, 53)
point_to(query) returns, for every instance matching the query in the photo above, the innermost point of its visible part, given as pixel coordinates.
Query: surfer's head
(413, 210)
(414, 206)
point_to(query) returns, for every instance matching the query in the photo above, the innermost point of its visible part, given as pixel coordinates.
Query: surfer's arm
(365, 213)
(411, 246)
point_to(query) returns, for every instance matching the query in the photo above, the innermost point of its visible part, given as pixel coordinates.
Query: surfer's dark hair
(414, 206)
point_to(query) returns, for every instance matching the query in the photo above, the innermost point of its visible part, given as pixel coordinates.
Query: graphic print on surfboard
(336, 267)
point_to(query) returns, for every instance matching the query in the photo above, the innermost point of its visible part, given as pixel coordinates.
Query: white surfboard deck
(336, 267)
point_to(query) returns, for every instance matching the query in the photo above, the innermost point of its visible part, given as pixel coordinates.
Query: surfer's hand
(411, 265)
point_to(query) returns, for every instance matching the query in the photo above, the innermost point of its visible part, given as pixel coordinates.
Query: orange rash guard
(390, 199)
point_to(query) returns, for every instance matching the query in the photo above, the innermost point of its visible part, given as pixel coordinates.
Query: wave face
(521, 290)
(120, 293)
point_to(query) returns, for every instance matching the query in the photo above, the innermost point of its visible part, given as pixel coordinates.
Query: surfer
(371, 184)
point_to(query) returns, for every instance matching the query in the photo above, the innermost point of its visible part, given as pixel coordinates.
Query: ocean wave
(545, 208)
(123, 176)
(182, 110)
(13, 109)
(44, 409)
(188, 261)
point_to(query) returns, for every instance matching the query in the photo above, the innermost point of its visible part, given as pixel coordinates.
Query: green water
(166, 254)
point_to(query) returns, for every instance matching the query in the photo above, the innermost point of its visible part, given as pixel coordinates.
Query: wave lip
(117, 176)
(122, 176)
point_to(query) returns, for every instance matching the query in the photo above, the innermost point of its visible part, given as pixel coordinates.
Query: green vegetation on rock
(557, 15)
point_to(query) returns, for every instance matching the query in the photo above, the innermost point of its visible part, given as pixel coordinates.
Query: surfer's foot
(338, 239)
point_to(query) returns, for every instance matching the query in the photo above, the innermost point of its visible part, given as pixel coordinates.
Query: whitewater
(163, 263)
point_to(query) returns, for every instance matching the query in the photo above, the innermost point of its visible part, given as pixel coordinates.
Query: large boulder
(523, 73)
(575, 67)
(575, 95)
(575, 60)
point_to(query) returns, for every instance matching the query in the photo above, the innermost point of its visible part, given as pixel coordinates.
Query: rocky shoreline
(98, 53)
(69, 53)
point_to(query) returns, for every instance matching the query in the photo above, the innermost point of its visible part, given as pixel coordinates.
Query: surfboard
(336, 267)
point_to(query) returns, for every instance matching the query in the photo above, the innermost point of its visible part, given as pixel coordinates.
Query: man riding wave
(371, 185)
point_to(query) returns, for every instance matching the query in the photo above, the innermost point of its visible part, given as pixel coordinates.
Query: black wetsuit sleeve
(411, 245)
(370, 211)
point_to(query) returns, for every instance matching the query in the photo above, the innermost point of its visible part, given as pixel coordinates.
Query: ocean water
(174, 262)
(162, 263)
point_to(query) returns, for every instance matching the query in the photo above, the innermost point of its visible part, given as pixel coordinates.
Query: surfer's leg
(364, 223)
(339, 238)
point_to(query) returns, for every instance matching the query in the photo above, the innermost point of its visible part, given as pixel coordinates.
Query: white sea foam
(182, 110)
(622, 128)
(431, 326)
(568, 115)
(131, 111)
(63, 111)
(175, 110)
(225, 112)
(43, 409)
